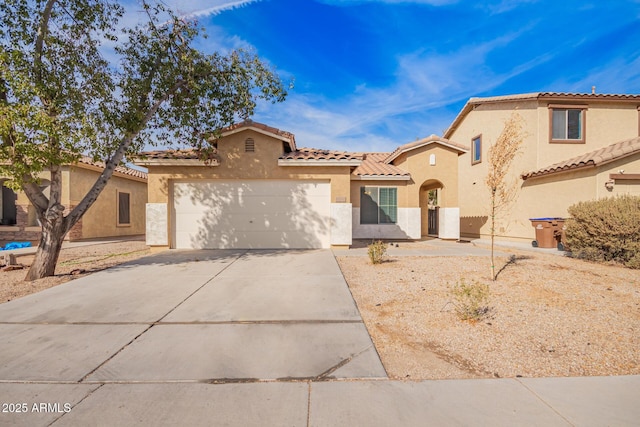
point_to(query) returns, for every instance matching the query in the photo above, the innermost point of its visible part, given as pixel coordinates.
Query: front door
(433, 221)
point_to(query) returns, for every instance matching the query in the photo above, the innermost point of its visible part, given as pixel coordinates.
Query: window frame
(475, 150)
(379, 206)
(583, 123)
(118, 218)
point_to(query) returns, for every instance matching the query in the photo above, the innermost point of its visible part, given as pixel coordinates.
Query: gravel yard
(549, 316)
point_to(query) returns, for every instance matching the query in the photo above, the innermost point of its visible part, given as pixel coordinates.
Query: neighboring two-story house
(576, 147)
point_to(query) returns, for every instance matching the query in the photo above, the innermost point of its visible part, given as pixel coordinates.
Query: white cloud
(199, 8)
(413, 106)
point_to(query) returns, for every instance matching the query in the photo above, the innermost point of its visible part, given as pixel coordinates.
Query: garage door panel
(254, 214)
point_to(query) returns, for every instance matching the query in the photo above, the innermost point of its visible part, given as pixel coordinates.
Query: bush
(606, 230)
(471, 300)
(377, 251)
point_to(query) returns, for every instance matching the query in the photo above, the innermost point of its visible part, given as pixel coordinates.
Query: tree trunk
(493, 233)
(46, 259)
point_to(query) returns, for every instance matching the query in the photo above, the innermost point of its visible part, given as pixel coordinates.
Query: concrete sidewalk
(437, 247)
(246, 338)
(594, 401)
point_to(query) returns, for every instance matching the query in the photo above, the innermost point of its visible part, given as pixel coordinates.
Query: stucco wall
(605, 125)
(445, 170)
(235, 163)
(101, 219)
(545, 196)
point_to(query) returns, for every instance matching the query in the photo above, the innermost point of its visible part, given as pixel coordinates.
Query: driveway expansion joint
(544, 402)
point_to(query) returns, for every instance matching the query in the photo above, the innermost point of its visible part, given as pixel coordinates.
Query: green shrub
(377, 251)
(606, 230)
(471, 300)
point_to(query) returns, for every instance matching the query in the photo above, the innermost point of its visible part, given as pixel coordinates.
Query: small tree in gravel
(502, 189)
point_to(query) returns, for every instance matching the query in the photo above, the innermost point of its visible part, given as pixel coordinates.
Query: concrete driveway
(204, 316)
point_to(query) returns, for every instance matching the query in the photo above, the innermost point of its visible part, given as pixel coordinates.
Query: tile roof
(594, 158)
(433, 139)
(551, 96)
(183, 154)
(119, 169)
(318, 154)
(374, 165)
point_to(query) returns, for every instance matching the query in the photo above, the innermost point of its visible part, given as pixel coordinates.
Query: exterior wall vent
(249, 145)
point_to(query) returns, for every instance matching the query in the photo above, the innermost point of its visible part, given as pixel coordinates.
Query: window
(249, 145)
(476, 149)
(124, 209)
(567, 123)
(378, 205)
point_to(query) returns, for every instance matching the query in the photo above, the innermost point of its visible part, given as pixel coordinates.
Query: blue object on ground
(544, 219)
(16, 245)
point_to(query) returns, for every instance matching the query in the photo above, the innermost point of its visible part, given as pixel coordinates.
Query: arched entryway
(431, 198)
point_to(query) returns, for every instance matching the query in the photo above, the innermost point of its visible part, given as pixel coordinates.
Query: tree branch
(43, 29)
(114, 161)
(35, 196)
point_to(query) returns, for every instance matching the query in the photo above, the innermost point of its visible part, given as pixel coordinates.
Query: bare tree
(502, 188)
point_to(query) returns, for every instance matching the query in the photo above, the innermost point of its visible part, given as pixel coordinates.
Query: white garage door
(251, 214)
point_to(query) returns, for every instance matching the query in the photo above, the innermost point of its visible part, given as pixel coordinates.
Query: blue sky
(370, 75)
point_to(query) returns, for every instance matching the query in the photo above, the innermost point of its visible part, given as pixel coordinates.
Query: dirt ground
(73, 263)
(549, 316)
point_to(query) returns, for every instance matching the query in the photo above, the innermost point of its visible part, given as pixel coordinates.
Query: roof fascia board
(256, 129)
(314, 162)
(588, 164)
(392, 157)
(380, 178)
(95, 168)
(173, 162)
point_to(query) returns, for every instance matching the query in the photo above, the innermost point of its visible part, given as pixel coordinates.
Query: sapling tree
(502, 189)
(61, 99)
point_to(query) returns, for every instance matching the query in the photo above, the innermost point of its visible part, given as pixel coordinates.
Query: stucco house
(261, 191)
(576, 147)
(118, 211)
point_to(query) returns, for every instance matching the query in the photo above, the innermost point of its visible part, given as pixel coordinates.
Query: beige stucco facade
(101, 220)
(272, 158)
(607, 120)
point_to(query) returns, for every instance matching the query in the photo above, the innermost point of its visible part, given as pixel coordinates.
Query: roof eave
(116, 173)
(380, 177)
(533, 175)
(318, 162)
(394, 156)
(283, 138)
(173, 162)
